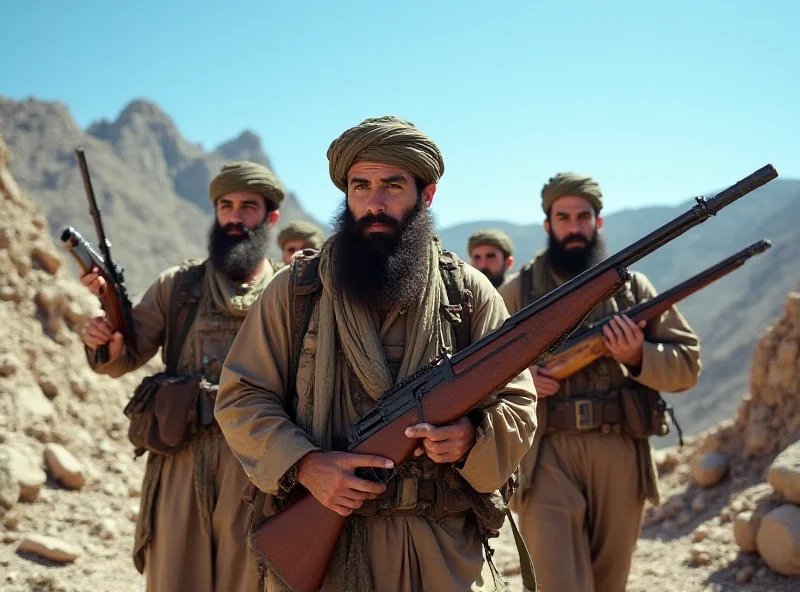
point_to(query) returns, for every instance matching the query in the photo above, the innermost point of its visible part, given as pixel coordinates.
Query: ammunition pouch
(167, 411)
(638, 411)
(644, 412)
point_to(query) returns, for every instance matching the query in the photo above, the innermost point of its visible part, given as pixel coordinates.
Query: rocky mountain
(70, 488)
(69, 485)
(729, 314)
(151, 183)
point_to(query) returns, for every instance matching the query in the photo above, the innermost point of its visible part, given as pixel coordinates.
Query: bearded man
(584, 481)
(298, 236)
(491, 252)
(191, 532)
(383, 292)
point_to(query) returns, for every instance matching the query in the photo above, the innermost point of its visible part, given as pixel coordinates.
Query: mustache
(575, 237)
(370, 219)
(236, 226)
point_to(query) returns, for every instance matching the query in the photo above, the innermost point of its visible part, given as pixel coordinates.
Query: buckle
(584, 415)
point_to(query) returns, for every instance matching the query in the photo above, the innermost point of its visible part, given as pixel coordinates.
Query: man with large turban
(584, 482)
(380, 300)
(191, 532)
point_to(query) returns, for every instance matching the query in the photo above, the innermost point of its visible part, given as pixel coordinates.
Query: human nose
(376, 202)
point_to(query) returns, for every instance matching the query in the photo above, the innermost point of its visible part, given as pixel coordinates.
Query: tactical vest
(198, 337)
(420, 486)
(603, 374)
(591, 398)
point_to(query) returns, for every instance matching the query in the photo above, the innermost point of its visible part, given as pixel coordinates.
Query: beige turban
(493, 237)
(247, 176)
(310, 234)
(572, 184)
(386, 140)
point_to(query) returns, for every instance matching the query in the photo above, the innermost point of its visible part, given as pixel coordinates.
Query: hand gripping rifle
(299, 541)
(587, 345)
(114, 298)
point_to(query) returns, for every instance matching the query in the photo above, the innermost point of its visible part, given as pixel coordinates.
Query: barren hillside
(151, 183)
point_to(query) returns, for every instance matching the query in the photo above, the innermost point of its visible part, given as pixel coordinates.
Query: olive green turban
(247, 176)
(304, 231)
(494, 237)
(386, 140)
(572, 184)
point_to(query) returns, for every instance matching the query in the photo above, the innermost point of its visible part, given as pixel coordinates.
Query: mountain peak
(246, 146)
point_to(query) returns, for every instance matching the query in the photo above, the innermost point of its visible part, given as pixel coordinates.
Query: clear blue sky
(659, 100)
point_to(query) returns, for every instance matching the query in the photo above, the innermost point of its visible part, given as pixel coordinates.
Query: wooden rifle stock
(298, 542)
(114, 299)
(588, 345)
(111, 298)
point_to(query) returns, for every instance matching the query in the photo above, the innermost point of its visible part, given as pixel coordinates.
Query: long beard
(495, 278)
(575, 260)
(383, 270)
(237, 256)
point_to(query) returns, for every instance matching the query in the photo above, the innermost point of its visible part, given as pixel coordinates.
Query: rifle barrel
(704, 209)
(699, 280)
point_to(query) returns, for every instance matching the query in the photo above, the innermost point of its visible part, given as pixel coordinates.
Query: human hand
(330, 478)
(624, 340)
(447, 443)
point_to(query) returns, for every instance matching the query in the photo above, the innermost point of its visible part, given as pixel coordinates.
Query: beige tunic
(191, 530)
(404, 552)
(580, 503)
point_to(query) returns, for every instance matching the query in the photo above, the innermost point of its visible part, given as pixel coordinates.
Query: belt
(409, 495)
(585, 414)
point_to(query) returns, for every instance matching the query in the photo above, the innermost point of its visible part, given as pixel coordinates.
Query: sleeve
(251, 402)
(671, 350)
(508, 419)
(149, 327)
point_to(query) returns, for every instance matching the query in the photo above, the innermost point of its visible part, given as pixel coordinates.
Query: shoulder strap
(183, 309)
(458, 297)
(525, 562)
(526, 283)
(304, 287)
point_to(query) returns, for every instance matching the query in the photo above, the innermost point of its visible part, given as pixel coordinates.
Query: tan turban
(572, 184)
(310, 234)
(493, 237)
(386, 140)
(247, 176)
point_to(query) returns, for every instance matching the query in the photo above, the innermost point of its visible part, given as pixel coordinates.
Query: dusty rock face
(744, 531)
(709, 469)
(65, 468)
(730, 497)
(779, 540)
(27, 473)
(56, 413)
(50, 548)
(784, 473)
(146, 177)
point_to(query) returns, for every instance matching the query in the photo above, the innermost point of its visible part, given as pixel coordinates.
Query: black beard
(382, 271)
(575, 260)
(495, 278)
(237, 256)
